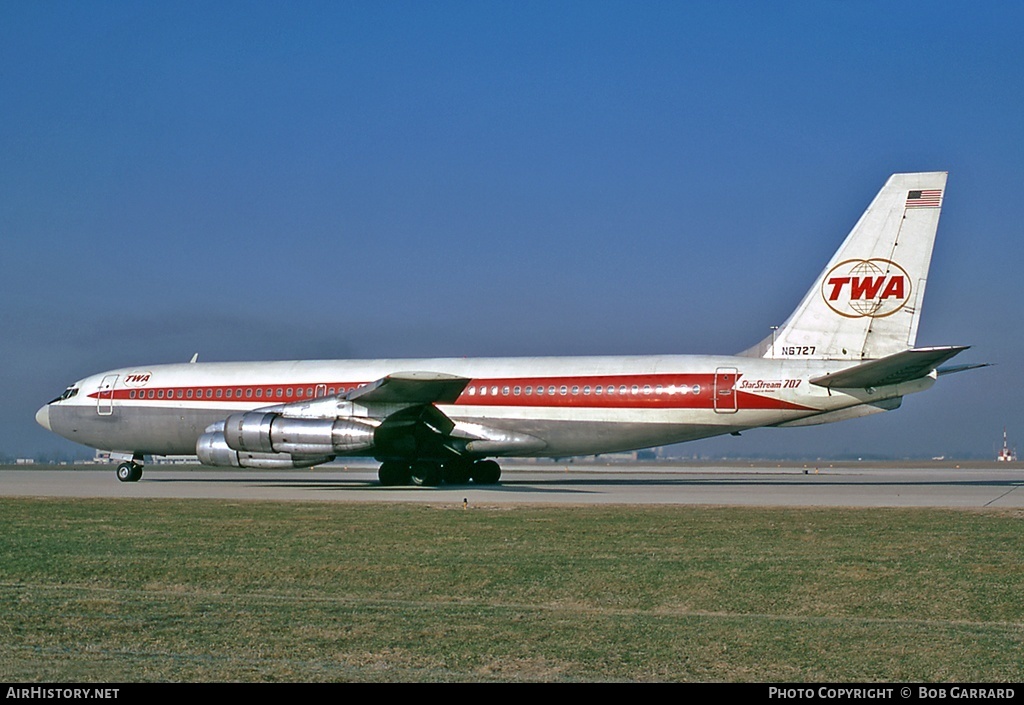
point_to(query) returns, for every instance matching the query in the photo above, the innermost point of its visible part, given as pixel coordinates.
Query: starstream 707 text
(62, 693)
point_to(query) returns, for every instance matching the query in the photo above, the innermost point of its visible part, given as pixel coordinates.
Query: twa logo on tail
(874, 288)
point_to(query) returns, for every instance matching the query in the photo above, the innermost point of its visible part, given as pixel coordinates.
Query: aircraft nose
(43, 417)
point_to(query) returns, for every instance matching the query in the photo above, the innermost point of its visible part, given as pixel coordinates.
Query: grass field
(169, 590)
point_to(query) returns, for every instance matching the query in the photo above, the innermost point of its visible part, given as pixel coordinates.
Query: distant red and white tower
(1007, 454)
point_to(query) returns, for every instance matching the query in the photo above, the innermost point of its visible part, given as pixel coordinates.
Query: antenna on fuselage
(194, 358)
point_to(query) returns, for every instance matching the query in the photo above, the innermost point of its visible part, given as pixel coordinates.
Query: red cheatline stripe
(670, 391)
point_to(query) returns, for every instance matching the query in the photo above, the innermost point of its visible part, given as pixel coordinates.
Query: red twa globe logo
(873, 288)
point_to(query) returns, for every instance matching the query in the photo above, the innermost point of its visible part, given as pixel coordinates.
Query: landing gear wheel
(486, 472)
(393, 473)
(129, 472)
(426, 474)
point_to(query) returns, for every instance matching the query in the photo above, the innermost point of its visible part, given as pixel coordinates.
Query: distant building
(175, 460)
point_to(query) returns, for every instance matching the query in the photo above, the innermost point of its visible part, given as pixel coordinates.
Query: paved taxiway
(994, 485)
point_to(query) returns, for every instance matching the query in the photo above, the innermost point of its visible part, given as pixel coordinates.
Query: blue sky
(256, 180)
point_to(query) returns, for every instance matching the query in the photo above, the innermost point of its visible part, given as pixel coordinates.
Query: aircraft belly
(161, 431)
(565, 438)
(588, 434)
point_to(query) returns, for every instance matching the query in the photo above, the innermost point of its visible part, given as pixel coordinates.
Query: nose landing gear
(129, 472)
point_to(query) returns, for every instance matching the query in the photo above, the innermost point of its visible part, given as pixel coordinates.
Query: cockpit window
(68, 393)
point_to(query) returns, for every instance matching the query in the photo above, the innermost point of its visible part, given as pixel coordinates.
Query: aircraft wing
(412, 425)
(892, 369)
(411, 388)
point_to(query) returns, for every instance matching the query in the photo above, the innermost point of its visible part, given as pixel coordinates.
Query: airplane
(845, 352)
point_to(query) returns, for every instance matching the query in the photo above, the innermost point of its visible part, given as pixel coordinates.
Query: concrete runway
(974, 485)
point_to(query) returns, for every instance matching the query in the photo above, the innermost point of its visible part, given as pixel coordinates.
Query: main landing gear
(425, 473)
(129, 472)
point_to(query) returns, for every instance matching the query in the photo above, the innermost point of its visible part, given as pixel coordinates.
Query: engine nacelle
(267, 432)
(212, 449)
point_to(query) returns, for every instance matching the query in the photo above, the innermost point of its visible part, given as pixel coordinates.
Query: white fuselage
(574, 405)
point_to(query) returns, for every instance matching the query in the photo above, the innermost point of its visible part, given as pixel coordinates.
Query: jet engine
(268, 432)
(212, 449)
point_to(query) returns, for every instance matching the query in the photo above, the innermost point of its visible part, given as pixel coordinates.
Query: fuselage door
(725, 390)
(105, 397)
(321, 391)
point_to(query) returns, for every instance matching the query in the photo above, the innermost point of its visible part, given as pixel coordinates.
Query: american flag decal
(930, 198)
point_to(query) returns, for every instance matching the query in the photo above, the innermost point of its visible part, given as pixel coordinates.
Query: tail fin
(866, 304)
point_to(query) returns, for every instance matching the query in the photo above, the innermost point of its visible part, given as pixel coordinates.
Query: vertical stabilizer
(866, 303)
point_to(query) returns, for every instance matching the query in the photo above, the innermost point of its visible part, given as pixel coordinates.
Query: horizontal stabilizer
(892, 369)
(411, 388)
